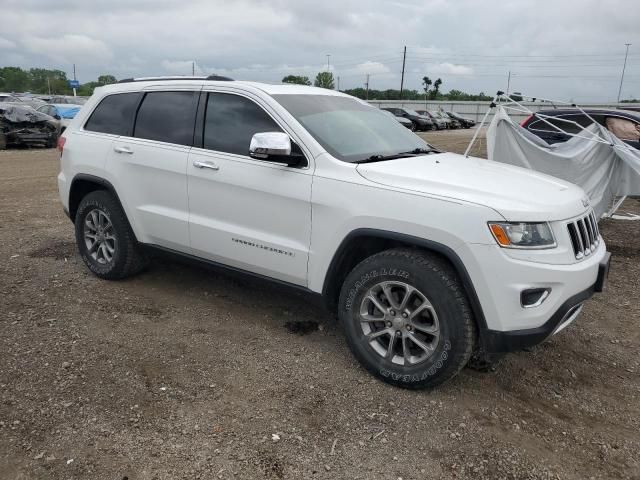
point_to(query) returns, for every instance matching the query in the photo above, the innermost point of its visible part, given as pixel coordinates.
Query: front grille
(584, 235)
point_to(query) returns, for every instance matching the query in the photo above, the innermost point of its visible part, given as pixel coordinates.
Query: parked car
(64, 113)
(66, 99)
(449, 121)
(425, 264)
(464, 122)
(405, 122)
(438, 123)
(622, 123)
(9, 98)
(20, 100)
(420, 122)
(21, 125)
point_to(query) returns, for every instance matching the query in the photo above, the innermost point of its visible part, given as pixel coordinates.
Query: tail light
(526, 120)
(61, 142)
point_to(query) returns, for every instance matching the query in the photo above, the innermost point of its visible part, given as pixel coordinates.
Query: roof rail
(219, 78)
(149, 79)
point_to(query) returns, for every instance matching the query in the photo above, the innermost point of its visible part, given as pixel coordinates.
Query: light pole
(624, 66)
(328, 56)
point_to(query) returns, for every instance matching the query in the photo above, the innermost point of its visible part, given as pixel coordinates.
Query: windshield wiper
(382, 158)
(420, 151)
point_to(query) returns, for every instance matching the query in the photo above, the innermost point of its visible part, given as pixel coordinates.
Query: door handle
(126, 150)
(211, 165)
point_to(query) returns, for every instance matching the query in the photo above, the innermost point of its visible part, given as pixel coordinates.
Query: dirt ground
(185, 372)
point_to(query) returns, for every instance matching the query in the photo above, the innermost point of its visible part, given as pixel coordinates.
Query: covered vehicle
(557, 125)
(22, 125)
(64, 113)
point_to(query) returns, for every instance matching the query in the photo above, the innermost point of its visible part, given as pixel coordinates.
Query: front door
(245, 213)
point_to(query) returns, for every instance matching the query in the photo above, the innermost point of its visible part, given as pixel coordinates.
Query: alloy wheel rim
(399, 323)
(99, 236)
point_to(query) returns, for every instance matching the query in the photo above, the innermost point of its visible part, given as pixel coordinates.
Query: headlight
(522, 234)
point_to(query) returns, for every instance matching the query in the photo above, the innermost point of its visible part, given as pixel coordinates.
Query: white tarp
(603, 170)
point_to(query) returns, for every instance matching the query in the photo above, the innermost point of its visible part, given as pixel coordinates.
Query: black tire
(127, 258)
(437, 281)
(413, 127)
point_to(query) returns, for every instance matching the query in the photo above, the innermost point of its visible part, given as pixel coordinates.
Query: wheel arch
(83, 184)
(364, 242)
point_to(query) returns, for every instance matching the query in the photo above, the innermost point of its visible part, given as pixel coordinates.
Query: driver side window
(230, 122)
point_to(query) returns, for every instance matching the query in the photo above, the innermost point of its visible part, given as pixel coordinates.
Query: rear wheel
(413, 127)
(105, 239)
(407, 319)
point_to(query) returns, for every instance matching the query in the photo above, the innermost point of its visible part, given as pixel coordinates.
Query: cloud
(450, 68)
(461, 41)
(373, 68)
(181, 67)
(69, 48)
(6, 44)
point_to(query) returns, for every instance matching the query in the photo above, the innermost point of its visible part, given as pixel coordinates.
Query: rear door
(149, 166)
(250, 214)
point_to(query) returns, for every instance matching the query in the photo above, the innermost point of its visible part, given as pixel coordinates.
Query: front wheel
(407, 318)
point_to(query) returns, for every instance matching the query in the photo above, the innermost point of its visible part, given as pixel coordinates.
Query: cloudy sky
(561, 49)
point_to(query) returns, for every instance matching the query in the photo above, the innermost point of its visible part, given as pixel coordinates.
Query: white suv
(429, 259)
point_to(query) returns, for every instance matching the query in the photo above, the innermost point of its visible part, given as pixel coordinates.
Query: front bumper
(495, 341)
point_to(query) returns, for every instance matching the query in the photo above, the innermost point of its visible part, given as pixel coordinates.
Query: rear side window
(231, 121)
(167, 117)
(114, 114)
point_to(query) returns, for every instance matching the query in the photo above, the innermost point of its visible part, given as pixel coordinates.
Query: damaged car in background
(24, 126)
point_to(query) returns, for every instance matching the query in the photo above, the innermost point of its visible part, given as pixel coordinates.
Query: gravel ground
(185, 372)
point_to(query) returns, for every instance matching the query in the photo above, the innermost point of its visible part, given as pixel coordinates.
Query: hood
(516, 193)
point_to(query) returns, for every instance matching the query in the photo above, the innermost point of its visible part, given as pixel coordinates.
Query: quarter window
(231, 121)
(167, 117)
(114, 114)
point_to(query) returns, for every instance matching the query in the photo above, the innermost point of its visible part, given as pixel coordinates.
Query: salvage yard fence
(476, 110)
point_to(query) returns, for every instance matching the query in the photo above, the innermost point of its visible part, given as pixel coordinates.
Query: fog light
(533, 297)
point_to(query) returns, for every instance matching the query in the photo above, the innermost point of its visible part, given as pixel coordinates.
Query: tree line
(55, 82)
(431, 90)
(45, 81)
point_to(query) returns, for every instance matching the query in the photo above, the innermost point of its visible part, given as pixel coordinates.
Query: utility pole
(338, 82)
(193, 69)
(624, 66)
(404, 59)
(508, 83)
(48, 85)
(367, 87)
(328, 66)
(74, 79)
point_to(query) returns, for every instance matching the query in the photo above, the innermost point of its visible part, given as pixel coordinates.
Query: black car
(463, 121)
(420, 122)
(623, 124)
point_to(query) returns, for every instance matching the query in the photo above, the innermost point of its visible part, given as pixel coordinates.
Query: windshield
(349, 129)
(411, 112)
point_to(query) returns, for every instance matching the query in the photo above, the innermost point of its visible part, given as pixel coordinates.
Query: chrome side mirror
(270, 144)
